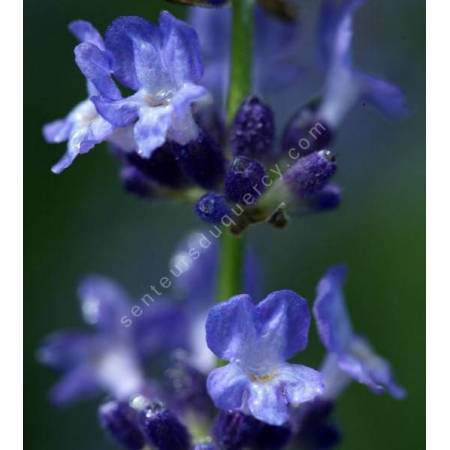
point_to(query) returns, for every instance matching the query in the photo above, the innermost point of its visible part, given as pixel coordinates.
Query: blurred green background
(81, 222)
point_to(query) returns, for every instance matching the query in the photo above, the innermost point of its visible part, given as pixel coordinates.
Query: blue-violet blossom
(257, 340)
(163, 65)
(350, 356)
(83, 127)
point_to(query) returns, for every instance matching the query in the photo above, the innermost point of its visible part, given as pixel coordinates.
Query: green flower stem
(231, 265)
(232, 247)
(241, 54)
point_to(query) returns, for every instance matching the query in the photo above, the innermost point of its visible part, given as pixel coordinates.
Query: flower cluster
(259, 395)
(225, 376)
(170, 134)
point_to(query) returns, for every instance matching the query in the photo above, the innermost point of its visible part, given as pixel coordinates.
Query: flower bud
(120, 421)
(234, 430)
(135, 182)
(328, 198)
(253, 129)
(163, 430)
(310, 174)
(212, 207)
(201, 160)
(306, 132)
(244, 180)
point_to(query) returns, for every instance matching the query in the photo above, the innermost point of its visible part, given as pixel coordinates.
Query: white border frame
(11, 232)
(438, 224)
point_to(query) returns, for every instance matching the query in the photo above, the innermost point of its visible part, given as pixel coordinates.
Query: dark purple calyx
(201, 160)
(234, 430)
(306, 132)
(244, 181)
(162, 428)
(212, 207)
(121, 422)
(310, 174)
(161, 167)
(253, 129)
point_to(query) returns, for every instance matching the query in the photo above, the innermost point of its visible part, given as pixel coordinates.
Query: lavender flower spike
(83, 128)
(163, 65)
(257, 340)
(350, 356)
(346, 85)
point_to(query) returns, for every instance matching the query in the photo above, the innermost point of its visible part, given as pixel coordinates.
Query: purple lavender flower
(350, 356)
(257, 340)
(83, 127)
(346, 85)
(163, 65)
(109, 359)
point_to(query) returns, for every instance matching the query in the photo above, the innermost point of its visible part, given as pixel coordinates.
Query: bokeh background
(81, 222)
